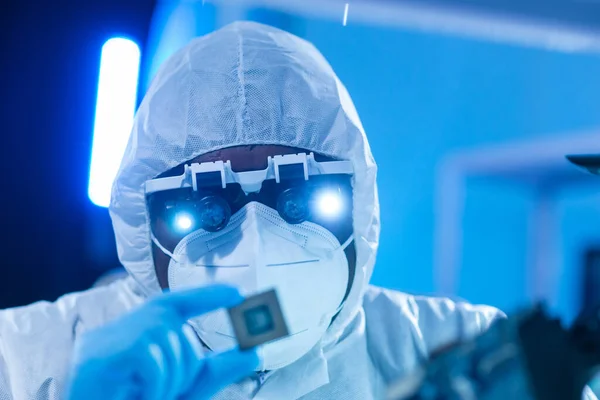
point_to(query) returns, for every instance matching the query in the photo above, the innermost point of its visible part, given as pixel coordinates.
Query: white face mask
(258, 251)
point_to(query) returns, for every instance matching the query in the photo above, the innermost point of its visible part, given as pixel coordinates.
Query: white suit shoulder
(32, 335)
(403, 329)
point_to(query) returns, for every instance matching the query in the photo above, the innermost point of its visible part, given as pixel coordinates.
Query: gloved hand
(151, 353)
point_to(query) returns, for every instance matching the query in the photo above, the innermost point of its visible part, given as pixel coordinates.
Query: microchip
(258, 320)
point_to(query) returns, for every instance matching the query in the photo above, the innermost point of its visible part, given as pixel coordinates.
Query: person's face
(246, 158)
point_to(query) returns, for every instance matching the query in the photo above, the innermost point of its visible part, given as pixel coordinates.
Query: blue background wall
(422, 96)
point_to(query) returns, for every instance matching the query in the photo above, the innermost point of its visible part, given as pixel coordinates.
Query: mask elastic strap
(339, 308)
(162, 248)
(342, 247)
(347, 242)
(326, 318)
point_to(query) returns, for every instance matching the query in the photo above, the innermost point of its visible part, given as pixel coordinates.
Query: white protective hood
(245, 84)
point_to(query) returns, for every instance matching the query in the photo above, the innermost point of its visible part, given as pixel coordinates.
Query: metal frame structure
(539, 165)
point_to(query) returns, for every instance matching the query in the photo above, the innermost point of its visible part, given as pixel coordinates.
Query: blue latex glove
(151, 353)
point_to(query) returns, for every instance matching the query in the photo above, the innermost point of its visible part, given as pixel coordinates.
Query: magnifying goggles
(207, 194)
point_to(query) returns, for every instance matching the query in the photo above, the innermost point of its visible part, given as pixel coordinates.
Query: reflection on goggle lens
(293, 206)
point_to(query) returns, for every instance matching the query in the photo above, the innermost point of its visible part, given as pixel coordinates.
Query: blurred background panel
(49, 68)
(469, 107)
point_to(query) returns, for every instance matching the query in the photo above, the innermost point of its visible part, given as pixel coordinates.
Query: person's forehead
(249, 158)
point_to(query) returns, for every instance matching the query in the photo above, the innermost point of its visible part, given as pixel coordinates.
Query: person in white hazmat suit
(247, 102)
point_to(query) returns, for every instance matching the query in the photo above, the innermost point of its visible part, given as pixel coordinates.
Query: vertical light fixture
(115, 109)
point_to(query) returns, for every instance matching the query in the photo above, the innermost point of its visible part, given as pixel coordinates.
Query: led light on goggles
(211, 213)
(296, 201)
(329, 203)
(183, 222)
(296, 205)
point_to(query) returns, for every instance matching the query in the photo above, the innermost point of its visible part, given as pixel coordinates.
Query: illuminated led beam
(115, 109)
